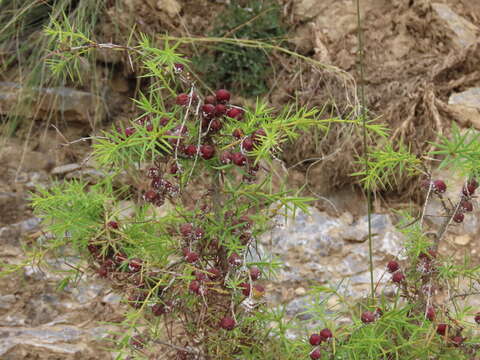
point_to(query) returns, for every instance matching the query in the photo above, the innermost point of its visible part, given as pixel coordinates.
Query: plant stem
(365, 147)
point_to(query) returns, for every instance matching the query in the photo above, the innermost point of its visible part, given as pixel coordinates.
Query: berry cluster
(465, 205)
(325, 336)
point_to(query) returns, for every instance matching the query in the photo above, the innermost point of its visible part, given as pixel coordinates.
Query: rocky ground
(420, 58)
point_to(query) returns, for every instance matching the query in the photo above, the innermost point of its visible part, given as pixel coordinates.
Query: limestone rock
(465, 33)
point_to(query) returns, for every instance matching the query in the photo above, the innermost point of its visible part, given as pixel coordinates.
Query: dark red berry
(315, 354)
(239, 159)
(457, 340)
(149, 126)
(469, 189)
(226, 157)
(477, 318)
(473, 183)
(439, 186)
(135, 265)
(245, 288)
(220, 109)
(326, 334)
(150, 196)
(429, 255)
(208, 111)
(164, 121)
(255, 273)
(195, 287)
(186, 229)
(247, 144)
(112, 224)
(237, 133)
(398, 277)
(214, 273)
(215, 125)
(367, 317)
(458, 217)
(315, 339)
(227, 323)
(200, 275)
(210, 99)
(442, 329)
(430, 313)
(234, 260)
(190, 150)
(393, 266)
(222, 95)
(182, 99)
(466, 206)
(129, 131)
(207, 151)
(199, 233)
(235, 113)
(191, 257)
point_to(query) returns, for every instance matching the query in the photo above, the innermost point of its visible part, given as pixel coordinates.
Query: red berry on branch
(214, 273)
(208, 111)
(207, 151)
(159, 309)
(195, 287)
(153, 172)
(235, 113)
(466, 206)
(315, 354)
(182, 99)
(186, 229)
(442, 329)
(190, 150)
(457, 340)
(226, 157)
(112, 224)
(215, 125)
(393, 266)
(227, 323)
(150, 196)
(129, 131)
(255, 273)
(398, 277)
(430, 313)
(137, 342)
(234, 260)
(326, 334)
(315, 339)
(220, 109)
(469, 189)
(237, 133)
(178, 68)
(222, 95)
(257, 136)
(239, 159)
(439, 186)
(191, 257)
(247, 144)
(367, 317)
(245, 288)
(210, 99)
(458, 217)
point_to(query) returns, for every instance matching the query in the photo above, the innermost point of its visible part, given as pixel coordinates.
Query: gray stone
(63, 169)
(465, 33)
(307, 9)
(469, 98)
(68, 104)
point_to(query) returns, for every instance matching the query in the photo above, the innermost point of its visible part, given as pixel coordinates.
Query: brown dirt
(412, 65)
